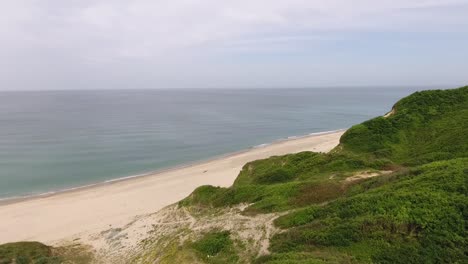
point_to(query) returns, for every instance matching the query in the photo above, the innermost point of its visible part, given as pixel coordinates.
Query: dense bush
(213, 243)
(216, 247)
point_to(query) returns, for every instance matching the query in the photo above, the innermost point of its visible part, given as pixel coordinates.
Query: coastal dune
(53, 218)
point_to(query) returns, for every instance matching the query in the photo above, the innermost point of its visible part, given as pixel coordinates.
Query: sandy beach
(68, 214)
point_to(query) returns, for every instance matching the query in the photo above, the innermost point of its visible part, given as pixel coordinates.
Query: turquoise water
(54, 140)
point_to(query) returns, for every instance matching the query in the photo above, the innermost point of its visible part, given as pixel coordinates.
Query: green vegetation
(213, 246)
(416, 217)
(213, 243)
(417, 214)
(27, 252)
(426, 126)
(216, 247)
(38, 253)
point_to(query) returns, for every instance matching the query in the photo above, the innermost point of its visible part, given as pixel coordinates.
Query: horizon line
(397, 86)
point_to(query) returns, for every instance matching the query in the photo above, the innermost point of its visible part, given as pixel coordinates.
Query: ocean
(55, 140)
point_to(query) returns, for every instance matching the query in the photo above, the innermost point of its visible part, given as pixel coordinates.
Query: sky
(146, 44)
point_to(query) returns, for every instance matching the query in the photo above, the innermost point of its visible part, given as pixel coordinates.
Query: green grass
(424, 212)
(38, 253)
(214, 244)
(315, 257)
(27, 252)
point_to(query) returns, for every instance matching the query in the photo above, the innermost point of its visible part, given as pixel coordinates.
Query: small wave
(297, 137)
(261, 145)
(129, 177)
(23, 197)
(325, 132)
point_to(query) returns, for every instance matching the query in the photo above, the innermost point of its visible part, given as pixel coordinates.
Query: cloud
(93, 35)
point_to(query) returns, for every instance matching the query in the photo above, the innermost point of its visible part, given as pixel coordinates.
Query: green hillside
(416, 214)
(424, 127)
(394, 191)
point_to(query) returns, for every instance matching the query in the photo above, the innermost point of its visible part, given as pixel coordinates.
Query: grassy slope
(418, 214)
(426, 126)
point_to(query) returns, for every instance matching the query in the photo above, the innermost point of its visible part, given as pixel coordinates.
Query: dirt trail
(366, 174)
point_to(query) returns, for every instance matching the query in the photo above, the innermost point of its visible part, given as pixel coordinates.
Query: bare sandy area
(50, 219)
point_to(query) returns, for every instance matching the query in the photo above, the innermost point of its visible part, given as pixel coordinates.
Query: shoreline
(22, 198)
(83, 212)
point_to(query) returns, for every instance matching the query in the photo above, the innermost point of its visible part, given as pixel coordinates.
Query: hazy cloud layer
(108, 44)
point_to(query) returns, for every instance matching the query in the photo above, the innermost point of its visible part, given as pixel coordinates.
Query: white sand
(94, 209)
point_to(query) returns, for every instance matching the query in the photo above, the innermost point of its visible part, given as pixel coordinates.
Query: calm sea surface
(56, 140)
